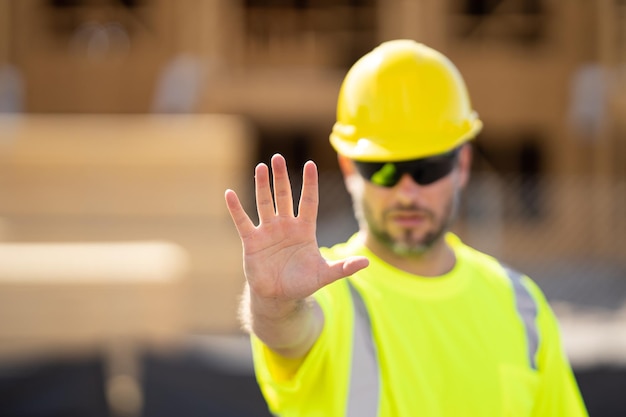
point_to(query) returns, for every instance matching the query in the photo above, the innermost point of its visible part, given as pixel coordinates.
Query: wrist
(288, 327)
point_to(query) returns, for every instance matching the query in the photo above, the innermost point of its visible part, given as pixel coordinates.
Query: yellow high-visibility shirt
(478, 341)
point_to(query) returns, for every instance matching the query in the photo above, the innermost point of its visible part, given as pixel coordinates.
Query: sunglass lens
(431, 171)
(423, 171)
(387, 176)
(379, 173)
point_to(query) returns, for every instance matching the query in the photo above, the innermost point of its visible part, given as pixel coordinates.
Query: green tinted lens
(386, 176)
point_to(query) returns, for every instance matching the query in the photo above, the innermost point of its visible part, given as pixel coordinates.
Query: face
(408, 218)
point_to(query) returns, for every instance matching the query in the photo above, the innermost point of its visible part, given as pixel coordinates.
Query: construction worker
(403, 319)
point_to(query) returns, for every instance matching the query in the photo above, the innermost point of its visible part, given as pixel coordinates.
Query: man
(403, 319)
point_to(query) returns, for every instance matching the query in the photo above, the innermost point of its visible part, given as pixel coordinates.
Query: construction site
(122, 123)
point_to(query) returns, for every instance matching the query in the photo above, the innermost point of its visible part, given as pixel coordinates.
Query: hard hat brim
(370, 149)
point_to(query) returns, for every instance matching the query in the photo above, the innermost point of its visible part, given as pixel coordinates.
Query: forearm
(289, 328)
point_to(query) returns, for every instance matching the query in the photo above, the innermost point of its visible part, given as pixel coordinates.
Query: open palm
(281, 256)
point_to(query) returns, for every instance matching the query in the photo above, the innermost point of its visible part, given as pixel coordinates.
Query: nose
(406, 181)
(407, 189)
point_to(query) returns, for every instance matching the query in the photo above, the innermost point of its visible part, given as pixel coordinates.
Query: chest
(445, 352)
(472, 332)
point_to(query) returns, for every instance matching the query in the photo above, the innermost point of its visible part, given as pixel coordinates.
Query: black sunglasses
(424, 171)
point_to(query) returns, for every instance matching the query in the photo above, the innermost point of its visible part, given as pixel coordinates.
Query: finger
(242, 222)
(282, 186)
(309, 198)
(263, 193)
(343, 268)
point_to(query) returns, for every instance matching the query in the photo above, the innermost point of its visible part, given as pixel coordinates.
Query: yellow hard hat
(403, 100)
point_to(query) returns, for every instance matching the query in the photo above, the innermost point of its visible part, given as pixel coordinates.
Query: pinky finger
(242, 221)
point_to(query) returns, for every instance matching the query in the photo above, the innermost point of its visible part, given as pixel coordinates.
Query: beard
(409, 241)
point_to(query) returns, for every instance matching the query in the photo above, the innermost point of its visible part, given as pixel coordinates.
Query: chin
(406, 250)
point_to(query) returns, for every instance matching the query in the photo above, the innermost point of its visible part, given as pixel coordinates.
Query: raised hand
(282, 260)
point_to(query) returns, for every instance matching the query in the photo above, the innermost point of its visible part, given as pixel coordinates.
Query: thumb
(343, 268)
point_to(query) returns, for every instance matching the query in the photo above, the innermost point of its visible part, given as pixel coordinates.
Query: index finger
(309, 198)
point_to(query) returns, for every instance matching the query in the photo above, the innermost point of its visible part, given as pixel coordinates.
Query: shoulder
(478, 262)
(492, 269)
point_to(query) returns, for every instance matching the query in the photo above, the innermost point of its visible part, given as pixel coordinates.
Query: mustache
(408, 209)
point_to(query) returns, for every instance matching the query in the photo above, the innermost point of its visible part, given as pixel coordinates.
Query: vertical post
(602, 172)
(5, 30)
(123, 385)
(421, 20)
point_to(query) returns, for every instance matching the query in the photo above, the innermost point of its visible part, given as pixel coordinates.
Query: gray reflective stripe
(527, 309)
(364, 384)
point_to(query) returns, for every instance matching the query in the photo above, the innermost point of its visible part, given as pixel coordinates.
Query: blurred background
(123, 121)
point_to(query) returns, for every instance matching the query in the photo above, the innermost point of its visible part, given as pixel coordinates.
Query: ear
(346, 165)
(465, 164)
(349, 172)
